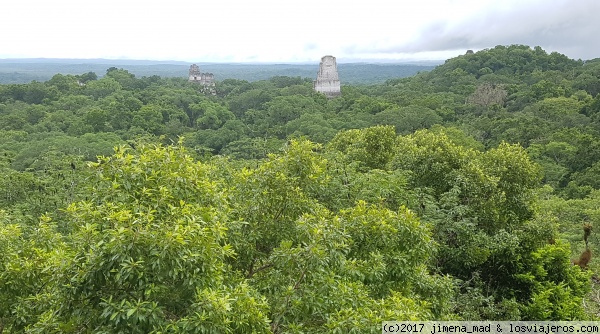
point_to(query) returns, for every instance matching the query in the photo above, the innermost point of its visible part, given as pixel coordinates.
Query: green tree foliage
(149, 118)
(252, 99)
(373, 147)
(408, 119)
(141, 258)
(166, 243)
(278, 113)
(31, 260)
(123, 77)
(474, 199)
(454, 194)
(103, 87)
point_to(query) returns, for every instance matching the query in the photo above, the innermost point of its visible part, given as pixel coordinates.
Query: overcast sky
(298, 31)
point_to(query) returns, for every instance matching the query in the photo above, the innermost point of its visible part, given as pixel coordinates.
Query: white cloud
(267, 30)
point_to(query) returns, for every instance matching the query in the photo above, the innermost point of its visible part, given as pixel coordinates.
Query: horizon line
(180, 62)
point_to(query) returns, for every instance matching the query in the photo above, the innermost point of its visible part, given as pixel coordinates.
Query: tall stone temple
(328, 81)
(207, 80)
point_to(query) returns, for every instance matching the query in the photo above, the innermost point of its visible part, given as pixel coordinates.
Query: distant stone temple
(328, 81)
(207, 80)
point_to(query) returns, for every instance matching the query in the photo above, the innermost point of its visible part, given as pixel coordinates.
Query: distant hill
(27, 70)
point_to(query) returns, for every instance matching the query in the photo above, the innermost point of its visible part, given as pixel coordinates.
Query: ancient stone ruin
(207, 80)
(328, 81)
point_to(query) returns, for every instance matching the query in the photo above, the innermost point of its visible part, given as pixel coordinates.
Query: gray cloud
(569, 27)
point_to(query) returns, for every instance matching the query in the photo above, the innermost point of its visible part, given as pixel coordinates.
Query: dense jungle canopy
(144, 205)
